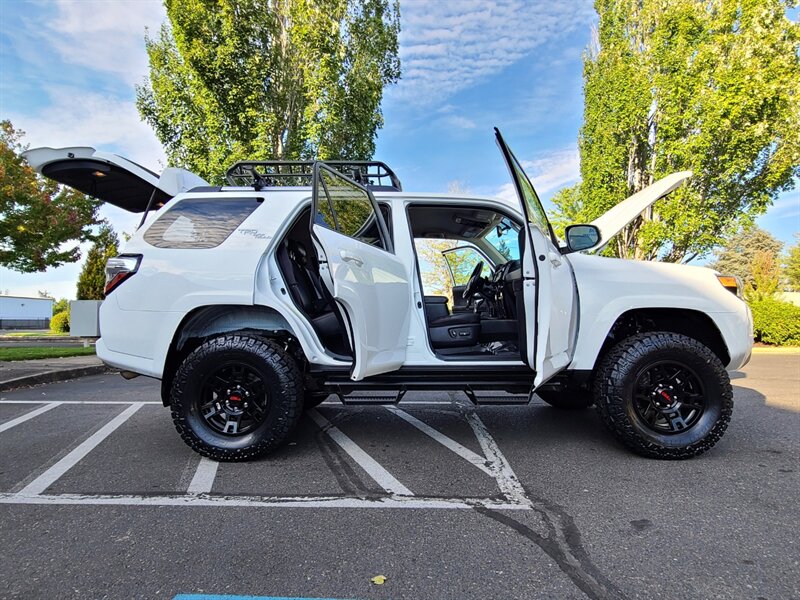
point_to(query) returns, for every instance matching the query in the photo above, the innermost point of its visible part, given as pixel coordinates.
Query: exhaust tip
(129, 374)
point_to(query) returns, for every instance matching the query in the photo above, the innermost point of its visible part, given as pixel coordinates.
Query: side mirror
(581, 237)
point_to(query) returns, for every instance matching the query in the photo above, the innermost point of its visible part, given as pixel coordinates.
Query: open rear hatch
(111, 178)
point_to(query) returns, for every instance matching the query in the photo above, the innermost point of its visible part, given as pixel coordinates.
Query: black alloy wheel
(668, 397)
(233, 399)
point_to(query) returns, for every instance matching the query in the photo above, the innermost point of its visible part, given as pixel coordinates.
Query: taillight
(119, 268)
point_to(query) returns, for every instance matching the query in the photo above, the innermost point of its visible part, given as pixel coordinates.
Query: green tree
(711, 87)
(92, 280)
(269, 79)
(792, 264)
(739, 254)
(766, 277)
(41, 223)
(60, 306)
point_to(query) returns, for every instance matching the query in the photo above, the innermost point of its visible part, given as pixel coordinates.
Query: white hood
(615, 220)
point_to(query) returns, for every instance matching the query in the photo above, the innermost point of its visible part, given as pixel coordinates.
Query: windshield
(505, 238)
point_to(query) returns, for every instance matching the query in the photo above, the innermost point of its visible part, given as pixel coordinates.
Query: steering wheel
(474, 279)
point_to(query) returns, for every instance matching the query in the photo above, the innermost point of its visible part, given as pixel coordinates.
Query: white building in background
(18, 312)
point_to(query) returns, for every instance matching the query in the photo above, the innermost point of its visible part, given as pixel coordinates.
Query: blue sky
(68, 70)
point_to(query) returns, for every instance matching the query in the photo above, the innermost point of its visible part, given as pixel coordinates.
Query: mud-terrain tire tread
(289, 395)
(618, 364)
(567, 400)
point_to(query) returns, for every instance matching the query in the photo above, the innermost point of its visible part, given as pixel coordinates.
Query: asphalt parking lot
(100, 499)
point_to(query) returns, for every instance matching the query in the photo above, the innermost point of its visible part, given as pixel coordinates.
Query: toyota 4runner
(253, 301)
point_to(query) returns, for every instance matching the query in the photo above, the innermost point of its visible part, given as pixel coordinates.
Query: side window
(461, 262)
(348, 209)
(200, 222)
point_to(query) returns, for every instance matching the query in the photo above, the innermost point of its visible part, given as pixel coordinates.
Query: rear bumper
(126, 362)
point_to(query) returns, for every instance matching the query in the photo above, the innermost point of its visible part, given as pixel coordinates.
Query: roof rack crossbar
(263, 173)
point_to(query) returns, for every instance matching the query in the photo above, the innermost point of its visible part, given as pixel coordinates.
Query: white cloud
(548, 173)
(77, 117)
(104, 36)
(446, 47)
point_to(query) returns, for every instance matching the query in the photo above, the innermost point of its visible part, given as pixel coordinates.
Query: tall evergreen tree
(92, 280)
(269, 79)
(711, 87)
(742, 251)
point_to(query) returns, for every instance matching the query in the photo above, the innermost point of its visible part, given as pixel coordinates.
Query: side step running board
(496, 400)
(370, 400)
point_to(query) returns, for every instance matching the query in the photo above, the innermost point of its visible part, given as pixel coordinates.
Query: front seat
(454, 331)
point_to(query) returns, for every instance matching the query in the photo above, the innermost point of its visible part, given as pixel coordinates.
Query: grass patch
(44, 352)
(27, 334)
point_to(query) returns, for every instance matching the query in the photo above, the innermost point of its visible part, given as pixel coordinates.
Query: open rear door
(358, 265)
(548, 324)
(111, 178)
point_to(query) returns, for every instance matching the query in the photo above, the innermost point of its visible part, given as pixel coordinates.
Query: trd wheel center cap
(663, 398)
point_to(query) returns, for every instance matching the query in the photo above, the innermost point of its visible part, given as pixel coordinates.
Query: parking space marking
(392, 501)
(508, 481)
(51, 475)
(381, 476)
(28, 416)
(450, 444)
(203, 479)
(4, 401)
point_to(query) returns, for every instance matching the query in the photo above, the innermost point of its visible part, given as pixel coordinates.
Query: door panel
(369, 283)
(549, 292)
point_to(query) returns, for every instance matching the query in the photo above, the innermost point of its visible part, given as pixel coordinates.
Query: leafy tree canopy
(41, 223)
(712, 87)
(792, 264)
(738, 256)
(92, 280)
(266, 79)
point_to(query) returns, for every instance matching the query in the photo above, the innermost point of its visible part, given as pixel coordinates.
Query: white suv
(301, 280)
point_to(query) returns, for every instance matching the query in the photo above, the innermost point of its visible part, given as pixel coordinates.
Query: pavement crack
(563, 544)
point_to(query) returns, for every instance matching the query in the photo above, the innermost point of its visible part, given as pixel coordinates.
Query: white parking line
(393, 501)
(203, 479)
(28, 416)
(76, 402)
(450, 444)
(381, 476)
(51, 475)
(507, 480)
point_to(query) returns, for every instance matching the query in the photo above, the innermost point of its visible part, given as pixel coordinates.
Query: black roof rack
(374, 175)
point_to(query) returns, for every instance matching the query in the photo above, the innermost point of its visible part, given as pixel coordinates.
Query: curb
(52, 377)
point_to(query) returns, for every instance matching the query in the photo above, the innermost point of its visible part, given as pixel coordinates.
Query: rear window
(200, 222)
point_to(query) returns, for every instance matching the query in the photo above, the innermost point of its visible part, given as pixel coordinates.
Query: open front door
(548, 324)
(358, 265)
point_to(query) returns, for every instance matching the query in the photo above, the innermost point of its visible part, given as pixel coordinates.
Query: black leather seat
(306, 289)
(455, 331)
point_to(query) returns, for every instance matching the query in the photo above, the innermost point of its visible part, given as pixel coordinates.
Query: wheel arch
(206, 321)
(691, 323)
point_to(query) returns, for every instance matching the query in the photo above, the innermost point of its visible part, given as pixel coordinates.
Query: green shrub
(60, 322)
(776, 322)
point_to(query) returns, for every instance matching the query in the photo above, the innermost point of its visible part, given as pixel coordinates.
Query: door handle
(555, 259)
(351, 258)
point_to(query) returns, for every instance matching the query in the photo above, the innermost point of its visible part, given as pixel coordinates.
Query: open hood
(615, 220)
(111, 178)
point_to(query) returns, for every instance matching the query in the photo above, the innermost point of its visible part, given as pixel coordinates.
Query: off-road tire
(614, 384)
(567, 400)
(283, 381)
